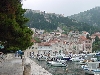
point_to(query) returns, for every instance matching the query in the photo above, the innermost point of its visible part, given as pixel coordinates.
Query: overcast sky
(66, 7)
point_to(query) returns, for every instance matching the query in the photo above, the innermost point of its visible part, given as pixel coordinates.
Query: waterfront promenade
(14, 66)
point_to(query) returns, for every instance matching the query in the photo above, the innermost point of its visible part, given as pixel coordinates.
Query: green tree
(14, 33)
(37, 40)
(96, 44)
(97, 39)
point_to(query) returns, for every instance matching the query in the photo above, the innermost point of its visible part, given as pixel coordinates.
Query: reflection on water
(72, 69)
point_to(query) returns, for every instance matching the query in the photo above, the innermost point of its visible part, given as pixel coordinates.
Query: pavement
(11, 67)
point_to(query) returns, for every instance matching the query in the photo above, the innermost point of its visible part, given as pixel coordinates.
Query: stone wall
(32, 68)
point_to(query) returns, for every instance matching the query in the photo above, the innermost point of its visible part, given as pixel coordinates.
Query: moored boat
(92, 67)
(58, 64)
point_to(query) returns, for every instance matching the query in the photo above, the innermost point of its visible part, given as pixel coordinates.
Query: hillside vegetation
(91, 17)
(50, 21)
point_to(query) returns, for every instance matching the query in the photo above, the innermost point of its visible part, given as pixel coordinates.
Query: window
(32, 47)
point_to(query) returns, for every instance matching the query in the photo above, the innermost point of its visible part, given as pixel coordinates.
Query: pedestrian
(21, 54)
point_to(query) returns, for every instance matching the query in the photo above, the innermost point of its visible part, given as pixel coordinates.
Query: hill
(50, 21)
(91, 17)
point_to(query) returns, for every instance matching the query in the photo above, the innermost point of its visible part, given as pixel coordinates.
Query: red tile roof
(44, 44)
(83, 38)
(96, 34)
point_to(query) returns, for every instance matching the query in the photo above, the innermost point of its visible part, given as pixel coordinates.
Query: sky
(65, 7)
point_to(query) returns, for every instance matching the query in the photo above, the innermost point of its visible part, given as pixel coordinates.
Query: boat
(57, 64)
(61, 60)
(63, 57)
(77, 59)
(67, 58)
(85, 67)
(82, 63)
(92, 67)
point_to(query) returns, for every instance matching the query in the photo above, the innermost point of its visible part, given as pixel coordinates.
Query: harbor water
(72, 68)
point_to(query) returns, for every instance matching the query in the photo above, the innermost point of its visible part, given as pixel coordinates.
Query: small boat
(85, 67)
(67, 58)
(57, 64)
(62, 61)
(81, 63)
(92, 67)
(97, 70)
(50, 62)
(77, 59)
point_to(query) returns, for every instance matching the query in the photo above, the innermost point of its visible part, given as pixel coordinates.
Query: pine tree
(14, 34)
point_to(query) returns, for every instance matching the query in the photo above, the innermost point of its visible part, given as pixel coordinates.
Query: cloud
(66, 7)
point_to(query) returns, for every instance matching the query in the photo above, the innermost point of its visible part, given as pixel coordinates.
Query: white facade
(32, 50)
(44, 50)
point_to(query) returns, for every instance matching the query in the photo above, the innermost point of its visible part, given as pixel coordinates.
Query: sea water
(72, 69)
